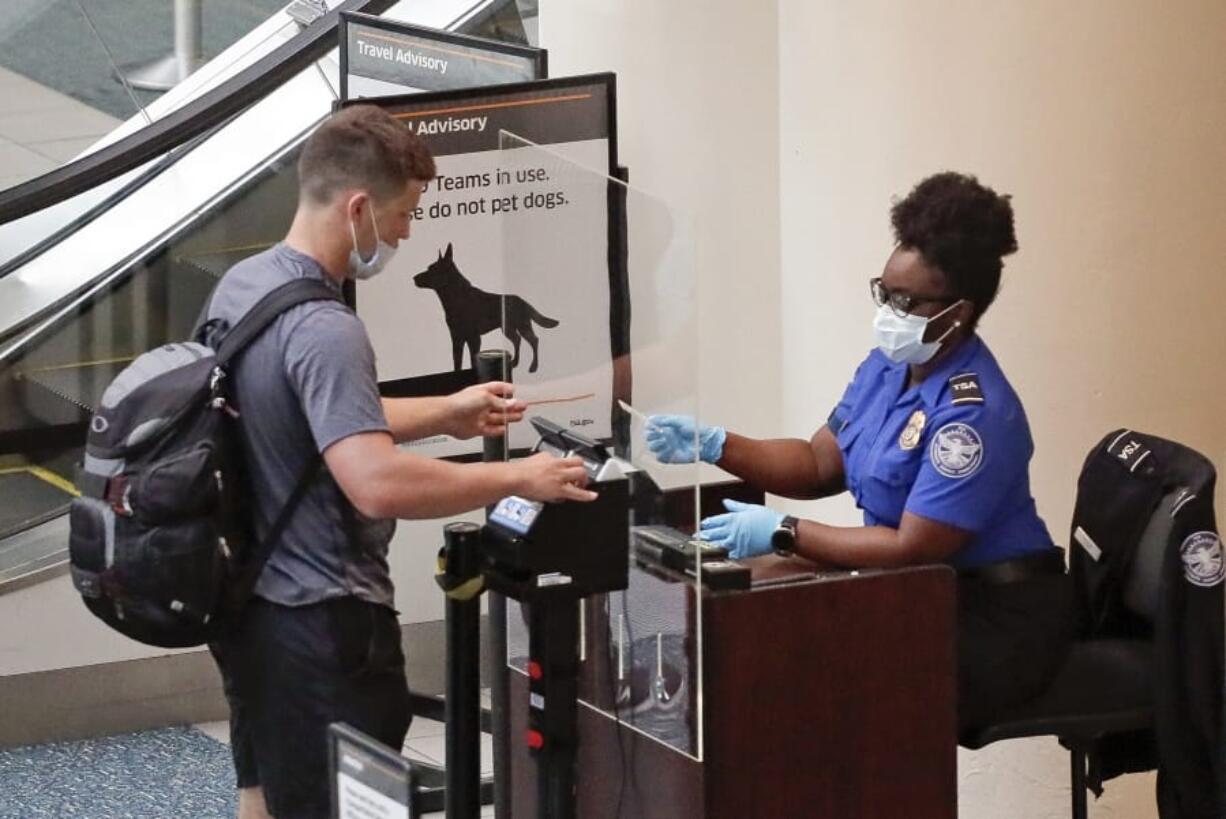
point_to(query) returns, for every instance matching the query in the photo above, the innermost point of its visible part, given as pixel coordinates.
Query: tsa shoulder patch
(965, 389)
(1202, 559)
(956, 450)
(1131, 451)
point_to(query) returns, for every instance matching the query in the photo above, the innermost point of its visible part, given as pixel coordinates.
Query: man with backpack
(319, 640)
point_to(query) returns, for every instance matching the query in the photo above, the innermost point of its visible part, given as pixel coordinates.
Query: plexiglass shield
(598, 314)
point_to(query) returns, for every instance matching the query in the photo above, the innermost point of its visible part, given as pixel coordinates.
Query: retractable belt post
(549, 556)
(553, 673)
(495, 365)
(461, 578)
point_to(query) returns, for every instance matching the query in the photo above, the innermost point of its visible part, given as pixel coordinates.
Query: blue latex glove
(671, 439)
(745, 530)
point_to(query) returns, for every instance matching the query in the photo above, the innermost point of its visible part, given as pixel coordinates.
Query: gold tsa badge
(910, 437)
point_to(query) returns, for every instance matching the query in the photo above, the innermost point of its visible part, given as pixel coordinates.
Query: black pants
(289, 673)
(1012, 638)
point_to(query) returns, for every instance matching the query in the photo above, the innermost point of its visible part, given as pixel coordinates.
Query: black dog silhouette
(472, 312)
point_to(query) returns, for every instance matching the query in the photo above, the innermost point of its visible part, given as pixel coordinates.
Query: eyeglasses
(901, 303)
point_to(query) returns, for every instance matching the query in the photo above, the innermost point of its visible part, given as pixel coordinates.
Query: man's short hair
(364, 147)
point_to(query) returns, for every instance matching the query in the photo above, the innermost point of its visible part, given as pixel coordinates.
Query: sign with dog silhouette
(470, 313)
(507, 252)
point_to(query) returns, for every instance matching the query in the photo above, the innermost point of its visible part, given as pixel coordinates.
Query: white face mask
(901, 338)
(361, 268)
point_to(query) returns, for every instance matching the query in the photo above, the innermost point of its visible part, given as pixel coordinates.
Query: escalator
(51, 379)
(114, 275)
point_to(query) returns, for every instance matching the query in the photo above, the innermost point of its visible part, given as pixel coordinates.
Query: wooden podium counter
(829, 696)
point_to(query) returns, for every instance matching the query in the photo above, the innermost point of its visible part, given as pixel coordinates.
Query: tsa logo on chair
(957, 450)
(1202, 559)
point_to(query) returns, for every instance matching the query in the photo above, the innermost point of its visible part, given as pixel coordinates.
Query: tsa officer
(932, 442)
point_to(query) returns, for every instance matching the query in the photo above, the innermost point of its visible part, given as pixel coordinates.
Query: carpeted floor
(162, 774)
(52, 42)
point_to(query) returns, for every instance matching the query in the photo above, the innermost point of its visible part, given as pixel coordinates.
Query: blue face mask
(901, 338)
(360, 268)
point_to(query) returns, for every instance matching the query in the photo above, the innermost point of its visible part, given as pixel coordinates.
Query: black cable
(611, 664)
(634, 785)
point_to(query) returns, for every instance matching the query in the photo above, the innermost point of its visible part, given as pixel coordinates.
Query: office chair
(1107, 685)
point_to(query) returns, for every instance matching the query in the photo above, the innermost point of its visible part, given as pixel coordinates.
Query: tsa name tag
(1129, 451)
(965, 389)
(1202, 559)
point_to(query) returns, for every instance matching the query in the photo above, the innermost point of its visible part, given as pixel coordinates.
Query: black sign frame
(339, 732)
(539, 56)
(619, 288)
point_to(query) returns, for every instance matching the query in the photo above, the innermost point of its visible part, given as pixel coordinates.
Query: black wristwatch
(783, 539)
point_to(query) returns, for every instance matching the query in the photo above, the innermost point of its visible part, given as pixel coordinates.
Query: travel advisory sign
(509, 249)
(380, 57)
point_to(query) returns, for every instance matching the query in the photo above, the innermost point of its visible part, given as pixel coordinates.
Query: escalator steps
(28, 499)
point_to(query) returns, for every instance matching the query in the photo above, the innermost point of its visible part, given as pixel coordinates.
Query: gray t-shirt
(306, 383)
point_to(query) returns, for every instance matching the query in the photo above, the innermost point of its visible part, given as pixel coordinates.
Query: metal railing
(193, 119)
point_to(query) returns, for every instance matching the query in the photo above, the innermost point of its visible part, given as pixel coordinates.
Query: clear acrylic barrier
(599, 306)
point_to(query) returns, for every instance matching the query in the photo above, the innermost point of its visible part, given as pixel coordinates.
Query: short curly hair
(961, 227)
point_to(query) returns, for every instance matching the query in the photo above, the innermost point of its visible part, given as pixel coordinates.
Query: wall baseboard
(177, 689)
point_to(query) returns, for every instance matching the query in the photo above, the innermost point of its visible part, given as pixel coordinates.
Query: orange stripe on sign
(490, 105)
(413, 44)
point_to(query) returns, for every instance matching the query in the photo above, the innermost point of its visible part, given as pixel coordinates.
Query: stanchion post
(495, 365)
(463, 704)
(189, 16)
(167, 71)
(553, 635)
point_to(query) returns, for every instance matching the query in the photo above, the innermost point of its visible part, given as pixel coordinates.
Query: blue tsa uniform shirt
(955, 449)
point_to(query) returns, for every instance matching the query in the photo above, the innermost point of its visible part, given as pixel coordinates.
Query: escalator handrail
(184, 124)
(55, 237)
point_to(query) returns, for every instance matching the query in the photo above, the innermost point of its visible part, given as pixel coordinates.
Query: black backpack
(160, 546)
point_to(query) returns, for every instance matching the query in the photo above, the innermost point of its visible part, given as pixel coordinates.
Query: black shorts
(288, 673)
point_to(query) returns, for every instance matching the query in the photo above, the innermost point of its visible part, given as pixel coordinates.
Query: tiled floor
(426, 742)
(41, 129)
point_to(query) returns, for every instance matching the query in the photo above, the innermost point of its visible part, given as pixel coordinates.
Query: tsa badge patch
(1202, 559)
(910, 437)
(957, 450)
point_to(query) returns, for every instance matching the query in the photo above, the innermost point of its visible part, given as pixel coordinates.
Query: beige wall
(47, 627)
(698, 126)
(1106, 120)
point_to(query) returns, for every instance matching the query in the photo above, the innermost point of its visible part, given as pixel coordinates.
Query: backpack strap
(202, 318)
(266, 310)
(249, 575)
(247, 330)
